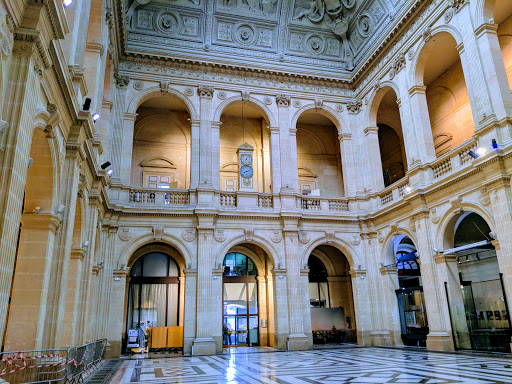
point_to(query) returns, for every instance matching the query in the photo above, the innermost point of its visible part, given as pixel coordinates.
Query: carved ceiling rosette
(244, 34)
(168, 22)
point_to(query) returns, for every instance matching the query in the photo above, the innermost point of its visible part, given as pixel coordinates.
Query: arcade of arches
(360, 196)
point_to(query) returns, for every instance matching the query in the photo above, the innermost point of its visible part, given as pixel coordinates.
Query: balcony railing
(228, 199)
(265, 201)
(454, 159)
(395, 191)
(324, 204)
(177, 197)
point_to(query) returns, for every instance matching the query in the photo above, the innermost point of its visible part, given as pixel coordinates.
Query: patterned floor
(354, 365)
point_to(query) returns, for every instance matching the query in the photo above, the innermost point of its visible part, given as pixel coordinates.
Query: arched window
(153, 291)
(318, 285)
(237, 264)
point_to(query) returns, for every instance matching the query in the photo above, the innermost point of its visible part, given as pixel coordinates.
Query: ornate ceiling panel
(321, 38)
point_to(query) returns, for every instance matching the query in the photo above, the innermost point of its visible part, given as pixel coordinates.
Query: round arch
(326, 111)
(417, 67)
(327, 262)
(376, 99)
(157, 246)
(149, 93)
(388, 249)
(154, 117)
(449, 218)
(239, 248)
(389, 239)
(341, 245)
(256, 240)
(484, 11)
(139, 242)
(263, 108)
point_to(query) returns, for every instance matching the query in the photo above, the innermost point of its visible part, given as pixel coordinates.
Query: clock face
(245, 159)
(246, 171)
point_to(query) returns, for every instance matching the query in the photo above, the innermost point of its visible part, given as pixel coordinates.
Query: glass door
(240, 310)
(413, 317)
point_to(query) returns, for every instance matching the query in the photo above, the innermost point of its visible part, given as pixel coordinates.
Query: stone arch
(314, 138)
(264, 110)
(327, 262)
(388, 241)
(149, 119)
(341, 245)
(137, 243)
(376, 98)
(326, 111)
(419, 60)
(260, 264)
(484, 11)
(447, 220)
(261, 242)
(149, 93)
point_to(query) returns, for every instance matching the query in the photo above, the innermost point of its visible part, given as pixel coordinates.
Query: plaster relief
(276, 236)
(189, 234)
(303, 237)
(124, 234)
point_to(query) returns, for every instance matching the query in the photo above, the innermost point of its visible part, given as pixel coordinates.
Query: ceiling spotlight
(110, 172)
(408, 189)
(481, 151)
(95, 117)
(67, 3)
(106, 165)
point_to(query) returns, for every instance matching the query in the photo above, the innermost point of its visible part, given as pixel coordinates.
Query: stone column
(194, 156)
(288, 150)
(297, 338)
(421, 121)
(205, 135)
(306, 304)
(30, 286)
(363, 323)
(87, 279)
(262, 309)
(495, 74)
(13, 172)
(448, 272)
(117, 310)
(204, 344)
(128, 127)
(275, 155)
(375, 177)
(389, 278)
(280, 322)
(348, 165)
(439, 337)
(216, 307)
(189, 326)
(61, 260)
(118, 135)
(216, 154)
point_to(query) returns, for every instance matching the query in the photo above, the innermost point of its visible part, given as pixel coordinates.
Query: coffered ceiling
(318, 38)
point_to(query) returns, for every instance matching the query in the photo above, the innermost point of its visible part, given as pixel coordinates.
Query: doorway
(240, 301)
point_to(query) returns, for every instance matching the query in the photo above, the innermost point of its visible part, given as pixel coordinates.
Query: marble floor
(348, 365)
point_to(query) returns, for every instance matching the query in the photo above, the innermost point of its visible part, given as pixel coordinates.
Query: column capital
(216, 124)
(130, 116)
(371, 130)
(283, 100)
(496, 244)
(217, 272)
(486, 28)
(120, 273)
(344, 136)
(445, 258)
(279, 273)
(205, 91)
(354, 107)
(273, 129)
(355, 273)
(417, 89)
(388, 270)
(190, 272)
(122, 81)
(78, 253)
(39, 220)
(304, 272)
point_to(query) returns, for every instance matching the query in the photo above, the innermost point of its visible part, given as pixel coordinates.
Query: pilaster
(375, 179)
(206, 150)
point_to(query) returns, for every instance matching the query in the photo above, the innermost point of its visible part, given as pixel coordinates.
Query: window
(318, 285)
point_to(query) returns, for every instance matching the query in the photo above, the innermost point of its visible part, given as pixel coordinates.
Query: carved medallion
(249, 234)
(219, 235)
(296, 103)
(356, 240)
(189, 234)
(189, 92)
(365, 25)
(303, 237)
(138, 85)
(244, 34)
(276, 236)
(267, 100)
(434, 217)
(484, 197)
(168, 22)
(448, 15)
(380, 237)
(222, 95)
(124, 234)
(315, 44)
(339, 108)
(329, 236)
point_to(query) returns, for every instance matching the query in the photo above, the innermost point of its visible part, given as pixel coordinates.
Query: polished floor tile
(349, 365)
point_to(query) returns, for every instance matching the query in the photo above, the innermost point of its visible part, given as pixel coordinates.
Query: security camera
(61, 208)
(3, 126)
(436, 250)
(30, 162)
(493, 235)
(86, 243)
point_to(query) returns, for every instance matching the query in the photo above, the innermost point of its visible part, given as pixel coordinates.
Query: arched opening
(247, 299)
(318, 156)
(402, 255)
(391, 138)
(440, 70)
(36, 241)
(245, 123)
(503, 17)
(479, 310)
(161, 144)
(155, 298)
(330, 296)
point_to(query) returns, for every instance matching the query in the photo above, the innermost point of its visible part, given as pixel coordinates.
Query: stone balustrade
(394, 192)
(453, 160)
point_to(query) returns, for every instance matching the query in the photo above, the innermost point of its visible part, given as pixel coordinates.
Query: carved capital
(371, 130)
(205, 91)
(121, 80)
(354, 107)
(283, 100)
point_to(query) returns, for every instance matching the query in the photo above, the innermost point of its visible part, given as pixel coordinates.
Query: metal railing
(50, 366)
